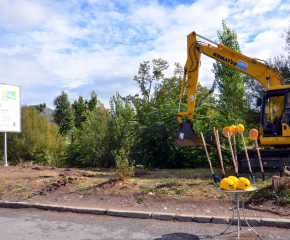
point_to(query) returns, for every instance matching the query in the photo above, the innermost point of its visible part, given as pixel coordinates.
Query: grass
(142, 199)
(88, 193)
(194, 183)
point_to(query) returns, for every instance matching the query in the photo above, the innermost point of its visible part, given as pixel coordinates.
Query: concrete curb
(130, 214)
(98, 211)
(164, 216)
(202, 219)
(252, 221)
(220, 220)
(281, 223)
(185, 218)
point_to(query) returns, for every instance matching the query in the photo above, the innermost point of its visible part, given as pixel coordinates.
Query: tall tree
(92, 103)
(82, 108)
(145, 79)
(40, 107)
(79, 109)
(63, 115)
(169, 88)
(229, 82)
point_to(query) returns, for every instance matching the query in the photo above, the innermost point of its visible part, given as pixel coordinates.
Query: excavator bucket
(186, 137)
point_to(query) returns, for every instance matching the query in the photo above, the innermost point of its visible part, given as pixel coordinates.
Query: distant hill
(48, 112)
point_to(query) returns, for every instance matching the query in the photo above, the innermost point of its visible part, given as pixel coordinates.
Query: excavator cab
(272, 113)
(275, 118)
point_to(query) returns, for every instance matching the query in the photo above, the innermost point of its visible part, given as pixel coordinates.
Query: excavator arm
(255, 68)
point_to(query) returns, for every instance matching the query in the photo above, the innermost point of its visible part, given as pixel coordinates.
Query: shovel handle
(246, 152)
(204, 144)
(235, 150)
(259, 156)
(216, 136)
(233, 157)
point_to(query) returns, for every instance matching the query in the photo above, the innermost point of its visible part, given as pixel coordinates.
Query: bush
(39, 142)
(125, 170)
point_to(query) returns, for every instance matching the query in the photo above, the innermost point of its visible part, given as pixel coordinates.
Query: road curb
(272, 222)
(185, 218)
(130, 214)
(164, 216)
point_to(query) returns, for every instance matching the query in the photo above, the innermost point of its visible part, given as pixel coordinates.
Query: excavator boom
(261, 71)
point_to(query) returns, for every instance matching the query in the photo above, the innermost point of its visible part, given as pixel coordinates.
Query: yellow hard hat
(244, 184)
(227, 132)
(227, 184)
(253, 134)
(234, 129)
(235, 179)
(240, 128)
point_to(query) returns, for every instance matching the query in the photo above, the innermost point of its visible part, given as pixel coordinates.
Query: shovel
(217, 140)
(234, 130)
(227, 132)
(215, 180)
(241, 130)
(253, 135)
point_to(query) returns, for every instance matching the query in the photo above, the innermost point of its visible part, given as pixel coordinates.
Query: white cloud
(75, 45)
(284, 7)
(21, 14)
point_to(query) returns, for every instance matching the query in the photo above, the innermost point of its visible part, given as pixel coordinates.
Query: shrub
(125, 170)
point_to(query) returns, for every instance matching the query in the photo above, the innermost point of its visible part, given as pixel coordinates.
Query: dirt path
(87, 188)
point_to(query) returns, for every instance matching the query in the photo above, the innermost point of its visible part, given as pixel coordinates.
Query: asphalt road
(18, 224)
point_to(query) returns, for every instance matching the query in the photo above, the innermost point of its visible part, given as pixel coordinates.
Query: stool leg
(233, 208)
(238, 213)
(245, 216)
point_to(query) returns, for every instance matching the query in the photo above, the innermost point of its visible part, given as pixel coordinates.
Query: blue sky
(77, 46)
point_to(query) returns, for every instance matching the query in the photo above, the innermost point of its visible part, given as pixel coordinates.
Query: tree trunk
(280, 182)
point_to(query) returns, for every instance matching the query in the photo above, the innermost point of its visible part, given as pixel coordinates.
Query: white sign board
(10, 108)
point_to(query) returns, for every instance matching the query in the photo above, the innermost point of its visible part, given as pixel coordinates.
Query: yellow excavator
(275, 113)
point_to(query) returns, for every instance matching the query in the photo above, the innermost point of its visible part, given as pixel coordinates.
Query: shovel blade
(216, 181)
(253, 179)
(186, 137)
(263, 177)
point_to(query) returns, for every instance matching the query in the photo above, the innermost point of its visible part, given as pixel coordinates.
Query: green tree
(229, 82)
(154, 145)
(119, 135)
(145, 79)
(79, 109)
(169, 88)
(37, 139)
(40, 107)
(92, 103)
(90, 145)
(63, 114)
(94, 137)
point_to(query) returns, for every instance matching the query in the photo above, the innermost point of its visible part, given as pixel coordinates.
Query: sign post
(5, 150)
(10, 113)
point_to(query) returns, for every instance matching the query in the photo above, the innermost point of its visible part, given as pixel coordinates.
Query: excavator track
(272, 159)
